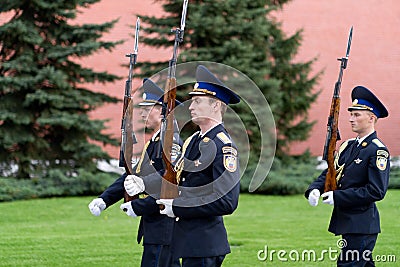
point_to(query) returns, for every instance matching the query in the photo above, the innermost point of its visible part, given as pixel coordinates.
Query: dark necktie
(197, 139)
(353, 146)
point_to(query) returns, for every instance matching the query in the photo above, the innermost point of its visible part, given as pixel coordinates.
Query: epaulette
(187, 141)
(378, 143)
(144, 151)
(345, 143)
(224, 138)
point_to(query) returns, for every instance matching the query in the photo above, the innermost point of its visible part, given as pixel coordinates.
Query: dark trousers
(203, 262)
(158, 256)
(358, 250)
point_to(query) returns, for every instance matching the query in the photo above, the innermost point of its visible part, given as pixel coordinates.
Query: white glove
(168, 207)
(328, 198)
(97, 206)
(133, 185)
(313, 197)
(127, 208)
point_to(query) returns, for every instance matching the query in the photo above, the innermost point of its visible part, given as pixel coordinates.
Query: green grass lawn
(62, 232)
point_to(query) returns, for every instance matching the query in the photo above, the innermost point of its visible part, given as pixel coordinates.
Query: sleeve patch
(230, 158)
(381, 163)
(382, 153)
(229, 150)
(230, 162)
(175, 152)
(224, 138)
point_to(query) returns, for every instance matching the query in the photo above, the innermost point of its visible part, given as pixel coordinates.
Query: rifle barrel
(128, 137)
(333, 120)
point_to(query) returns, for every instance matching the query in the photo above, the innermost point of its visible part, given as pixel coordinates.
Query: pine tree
(44, 108)
(244, 35)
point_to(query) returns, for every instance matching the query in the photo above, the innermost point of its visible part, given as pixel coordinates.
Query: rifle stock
(333, 135)
(168, 185)
(169, 188)
(127, 150)
(330, 145)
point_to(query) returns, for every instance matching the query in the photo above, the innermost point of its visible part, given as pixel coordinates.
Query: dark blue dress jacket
(208, 177)
(156, 228)
(362, 180)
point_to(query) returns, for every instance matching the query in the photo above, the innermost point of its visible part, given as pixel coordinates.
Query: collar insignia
(206, 139)
(364, 144)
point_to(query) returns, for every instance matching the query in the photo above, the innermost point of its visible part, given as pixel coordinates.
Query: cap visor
(148, 103)
(197, 93)
(358, 108)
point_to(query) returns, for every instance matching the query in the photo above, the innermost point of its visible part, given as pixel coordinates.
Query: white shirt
(359, 140)
(155, 135)
(202, 134)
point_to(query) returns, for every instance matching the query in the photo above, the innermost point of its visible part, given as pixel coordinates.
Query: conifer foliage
(245, 35)
(44, 107)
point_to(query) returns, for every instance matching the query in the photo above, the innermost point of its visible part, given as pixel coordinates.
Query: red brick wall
(126, 11)
(374, 58)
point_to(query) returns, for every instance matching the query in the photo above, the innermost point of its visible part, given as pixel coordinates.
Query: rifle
(169, 187)
(332, 127)
(128, 137)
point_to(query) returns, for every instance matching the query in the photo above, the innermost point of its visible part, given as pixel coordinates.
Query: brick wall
(374, 58)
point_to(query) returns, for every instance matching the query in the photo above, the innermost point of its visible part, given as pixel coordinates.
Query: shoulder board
(224, 138)
(187, 141)
(378, 142)
(345, 143)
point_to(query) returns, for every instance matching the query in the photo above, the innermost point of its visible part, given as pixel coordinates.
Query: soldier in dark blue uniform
(154, 227)
(208, 178)
(362, 166)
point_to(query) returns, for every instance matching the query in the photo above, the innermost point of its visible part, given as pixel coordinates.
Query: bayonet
(135, 50)
(349, 42)
(346, 58)
(183, 18)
